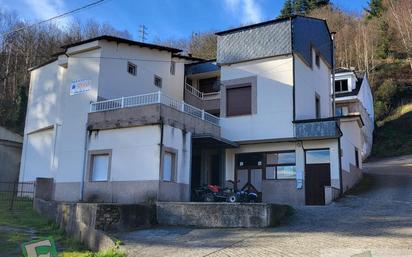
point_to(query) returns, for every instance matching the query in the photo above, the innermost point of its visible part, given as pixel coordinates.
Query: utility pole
(143, 32)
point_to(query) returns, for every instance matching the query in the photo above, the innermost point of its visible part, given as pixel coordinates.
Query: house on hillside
(353, 98)
(10, 155)
(116, 120)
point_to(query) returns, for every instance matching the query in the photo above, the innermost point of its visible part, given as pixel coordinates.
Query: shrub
(381, 110)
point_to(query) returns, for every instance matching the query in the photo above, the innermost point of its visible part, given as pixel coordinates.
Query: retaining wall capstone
(220, 215)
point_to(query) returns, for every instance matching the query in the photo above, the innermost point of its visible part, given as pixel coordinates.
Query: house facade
(354, 98)
(116, 120)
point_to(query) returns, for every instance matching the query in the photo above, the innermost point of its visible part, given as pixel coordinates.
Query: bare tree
(400, 13)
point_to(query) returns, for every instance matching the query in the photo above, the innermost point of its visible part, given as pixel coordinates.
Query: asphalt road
(377, 222)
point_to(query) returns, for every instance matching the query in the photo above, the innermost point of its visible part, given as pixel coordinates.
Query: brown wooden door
(317, 176)
(252, 176)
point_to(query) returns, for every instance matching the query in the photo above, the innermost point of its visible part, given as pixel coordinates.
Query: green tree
(298, 7)
(375, 8)
(287, 9)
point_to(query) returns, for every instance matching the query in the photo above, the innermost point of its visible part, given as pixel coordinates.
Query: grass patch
(365, 185)
(24, 224)
(393, 135)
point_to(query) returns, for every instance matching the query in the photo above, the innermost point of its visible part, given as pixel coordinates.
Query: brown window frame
(230, 112)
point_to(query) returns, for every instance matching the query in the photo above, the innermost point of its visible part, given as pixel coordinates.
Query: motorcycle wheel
(209, 198)
(232, 199)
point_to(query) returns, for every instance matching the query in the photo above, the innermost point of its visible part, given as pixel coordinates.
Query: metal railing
(16, 195)
(153, 98)
(201, 95)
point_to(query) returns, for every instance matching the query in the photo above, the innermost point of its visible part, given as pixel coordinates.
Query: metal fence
(15, 195)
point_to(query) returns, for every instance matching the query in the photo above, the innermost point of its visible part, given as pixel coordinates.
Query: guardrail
(201, 95)
(153, 98)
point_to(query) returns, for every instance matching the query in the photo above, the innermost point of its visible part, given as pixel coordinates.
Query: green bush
(381, 110)
(386, 92)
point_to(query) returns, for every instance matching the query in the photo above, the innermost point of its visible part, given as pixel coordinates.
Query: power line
(53, 18)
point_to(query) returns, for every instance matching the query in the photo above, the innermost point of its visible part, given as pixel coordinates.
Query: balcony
(317, 129)
(149, 109)
(206, 101)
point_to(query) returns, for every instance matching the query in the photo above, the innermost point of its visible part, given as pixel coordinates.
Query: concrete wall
(87, 222)
(116, 82)
(220, 215)
(309, 82)
(273, 117)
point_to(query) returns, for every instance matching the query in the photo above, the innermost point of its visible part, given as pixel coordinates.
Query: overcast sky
(163, 18)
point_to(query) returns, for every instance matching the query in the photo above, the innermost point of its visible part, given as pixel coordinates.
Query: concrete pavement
(379, 221)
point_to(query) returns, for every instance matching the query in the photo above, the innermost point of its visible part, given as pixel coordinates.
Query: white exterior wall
(310, 81)
(116, 82)
(332, 144)
(135, 152)
(51, 105)
(351, 138)
(180, 141)
(274, 100)
(366, 98)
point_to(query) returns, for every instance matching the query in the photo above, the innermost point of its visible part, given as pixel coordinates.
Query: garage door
(38, 155)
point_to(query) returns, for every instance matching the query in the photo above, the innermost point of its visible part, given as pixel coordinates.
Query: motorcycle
(215, 193)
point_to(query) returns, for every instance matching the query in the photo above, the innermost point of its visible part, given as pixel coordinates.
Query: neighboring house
(115, 120)
(10, 155)
(354, 97)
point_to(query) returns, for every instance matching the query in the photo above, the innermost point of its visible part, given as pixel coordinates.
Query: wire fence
(16, 195)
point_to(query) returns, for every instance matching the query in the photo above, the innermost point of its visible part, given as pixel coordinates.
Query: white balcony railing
(153, 98)
(201, 95)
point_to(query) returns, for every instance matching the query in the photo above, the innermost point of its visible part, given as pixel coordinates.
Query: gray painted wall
(10, 155)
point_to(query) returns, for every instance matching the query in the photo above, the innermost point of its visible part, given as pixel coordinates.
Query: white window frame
(91, 165)
(173, 165)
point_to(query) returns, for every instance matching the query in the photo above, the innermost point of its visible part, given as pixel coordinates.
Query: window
(341, 86)
(131, 68)
(172, 68)
(342, 110)
(169, 166)
(317, 156)
(317, 103)
(239, 101)
(281, 165)
(317, 59)
(157, 81)
(249, 159)
(100, 167)
(357, 157)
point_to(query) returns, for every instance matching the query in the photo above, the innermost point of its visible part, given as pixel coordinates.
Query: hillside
(393, 135)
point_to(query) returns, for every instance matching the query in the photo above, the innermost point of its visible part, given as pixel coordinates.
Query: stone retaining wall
(220, 215)
(88, 222)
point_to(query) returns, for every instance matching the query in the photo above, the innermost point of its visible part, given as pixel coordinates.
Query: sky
(164, 19)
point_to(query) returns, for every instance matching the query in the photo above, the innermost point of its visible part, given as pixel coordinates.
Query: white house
(115, 120)
(354, 97)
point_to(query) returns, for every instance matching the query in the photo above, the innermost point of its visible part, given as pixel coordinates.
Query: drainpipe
(333, 75)
(86, 146)
(160, 157)
(340, 167)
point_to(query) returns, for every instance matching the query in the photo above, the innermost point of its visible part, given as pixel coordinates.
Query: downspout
(340, 160)
(87, 134)
(160, 157)
(333, 75)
